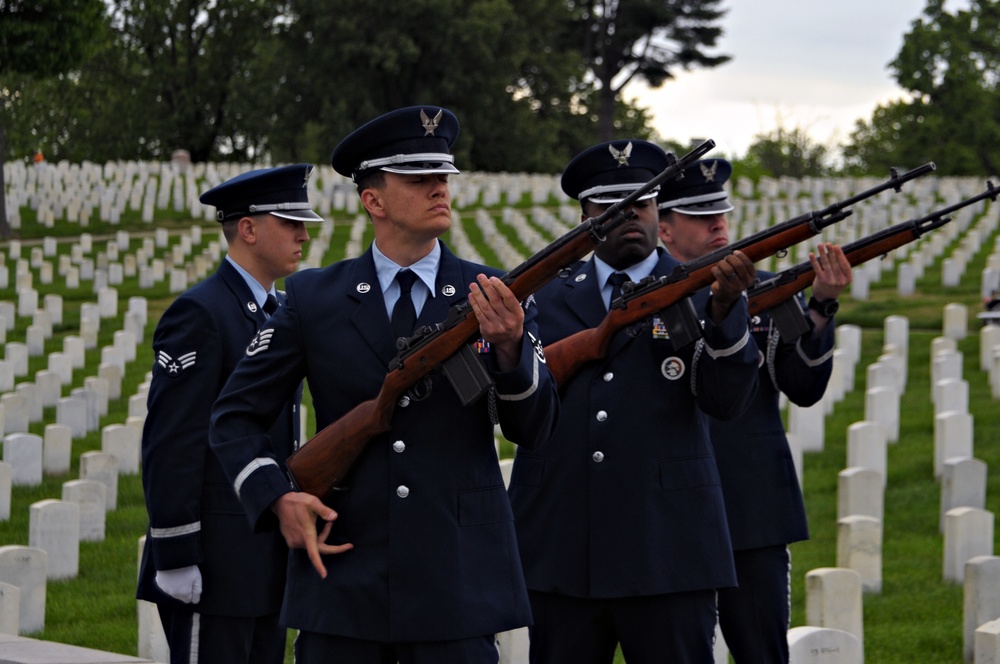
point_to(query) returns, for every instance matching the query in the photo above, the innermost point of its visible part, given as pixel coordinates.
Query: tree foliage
(39, 40)
(646, 39)
(786, 153)
(950, 65)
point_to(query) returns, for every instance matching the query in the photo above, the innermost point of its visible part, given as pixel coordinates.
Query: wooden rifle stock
(320, 465)
(640, 301)
(787, 283)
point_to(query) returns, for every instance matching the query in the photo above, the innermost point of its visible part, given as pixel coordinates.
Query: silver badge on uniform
(174, 367)
(580, 277)
(260, 342)
(252, 306)
(448, 290)
(364, 287)
(672, 368)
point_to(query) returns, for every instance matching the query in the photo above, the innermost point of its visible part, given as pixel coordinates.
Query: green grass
(916, 617)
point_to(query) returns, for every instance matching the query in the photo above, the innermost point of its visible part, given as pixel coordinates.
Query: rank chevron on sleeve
(260, 342)
(174, 367)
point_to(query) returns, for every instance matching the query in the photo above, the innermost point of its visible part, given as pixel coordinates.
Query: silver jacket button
(398, 446)
(601, 415)
(608, 376)
(598, 457)
(402, 491)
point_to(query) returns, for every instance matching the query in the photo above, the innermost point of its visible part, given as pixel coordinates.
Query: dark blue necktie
(270, 304)
(404, 315)
(616, 279)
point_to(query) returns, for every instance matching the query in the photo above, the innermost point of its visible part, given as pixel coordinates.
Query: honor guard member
(434, 572)
(763, 500)
(217, 583)
(620, 516)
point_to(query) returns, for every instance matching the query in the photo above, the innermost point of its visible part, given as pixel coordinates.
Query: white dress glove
(183, 583)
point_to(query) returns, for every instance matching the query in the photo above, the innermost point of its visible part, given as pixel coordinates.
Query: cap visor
(297, 215)
(617, 197)
(422, 169)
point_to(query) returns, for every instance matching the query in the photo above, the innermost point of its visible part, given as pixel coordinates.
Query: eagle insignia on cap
(428, 124)
(621, 156)
(708, 172)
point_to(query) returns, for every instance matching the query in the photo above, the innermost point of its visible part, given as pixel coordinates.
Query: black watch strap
(825, 308)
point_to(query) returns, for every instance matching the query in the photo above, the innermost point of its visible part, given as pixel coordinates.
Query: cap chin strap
(691, 200)
(254, 209)
(621, 189)
(406, 159)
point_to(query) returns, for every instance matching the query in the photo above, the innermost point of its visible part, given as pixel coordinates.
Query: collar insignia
(174, 367)
(709, 173)
(448, 290)
(621, 156)
(428, 124)
(252, 306)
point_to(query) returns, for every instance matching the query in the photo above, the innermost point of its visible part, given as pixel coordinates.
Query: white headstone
(859, 547)
(92, 498)
(25, 568)
(10, 608)
(16, 353)
(57, 448)
(152, 642)
(834, 600)
(123, 442)
(956, 321)
(54, 527)
(821, 645)
(102, 467)
(32, 399)
(981, 598)
(882, 407)
(6, 483)
(61, 365)
(951, 394)
(953, 436)
(860, 492)
(867, 447)
(72, 411)
(23, 451)
(987, 643)
(968, 532)
(49, 387)
(808, 426)
(16, 413)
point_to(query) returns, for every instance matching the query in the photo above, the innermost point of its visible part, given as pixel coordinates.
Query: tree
(42, 41)
(950, 65)
(786, 153)
(647, 39)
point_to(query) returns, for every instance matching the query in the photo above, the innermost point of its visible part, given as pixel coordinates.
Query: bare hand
(297, 513)
(500, 316)
(733, 274)
(833, 271)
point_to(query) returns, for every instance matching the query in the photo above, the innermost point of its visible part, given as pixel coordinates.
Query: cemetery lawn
(916, 616)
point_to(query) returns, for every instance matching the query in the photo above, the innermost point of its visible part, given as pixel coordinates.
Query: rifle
(651, 295)
(775, 294)
(321, 464)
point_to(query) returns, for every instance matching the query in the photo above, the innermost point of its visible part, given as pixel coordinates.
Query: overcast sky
(818, 65)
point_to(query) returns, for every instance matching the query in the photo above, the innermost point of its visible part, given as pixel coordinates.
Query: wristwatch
(826, 308)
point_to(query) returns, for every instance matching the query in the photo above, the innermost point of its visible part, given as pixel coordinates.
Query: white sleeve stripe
(809, 362)
(249, 469)
(176, 531)
(732, 350)
(528, 392)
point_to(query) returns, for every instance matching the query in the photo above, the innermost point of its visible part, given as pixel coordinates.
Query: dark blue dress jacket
(625, 499)
(763, 498)
(194, 515)
(435, 554)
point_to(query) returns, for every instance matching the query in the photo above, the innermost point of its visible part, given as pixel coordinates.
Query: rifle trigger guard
(421, 390)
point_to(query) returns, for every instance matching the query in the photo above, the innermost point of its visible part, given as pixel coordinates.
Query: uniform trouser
(196, 638)
(316, 648)
(755, 616)
(657, 629)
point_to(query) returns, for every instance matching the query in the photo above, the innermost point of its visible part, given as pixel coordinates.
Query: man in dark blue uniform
(434, 573)
(217, 584)
(620, 514)
(763, 500)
